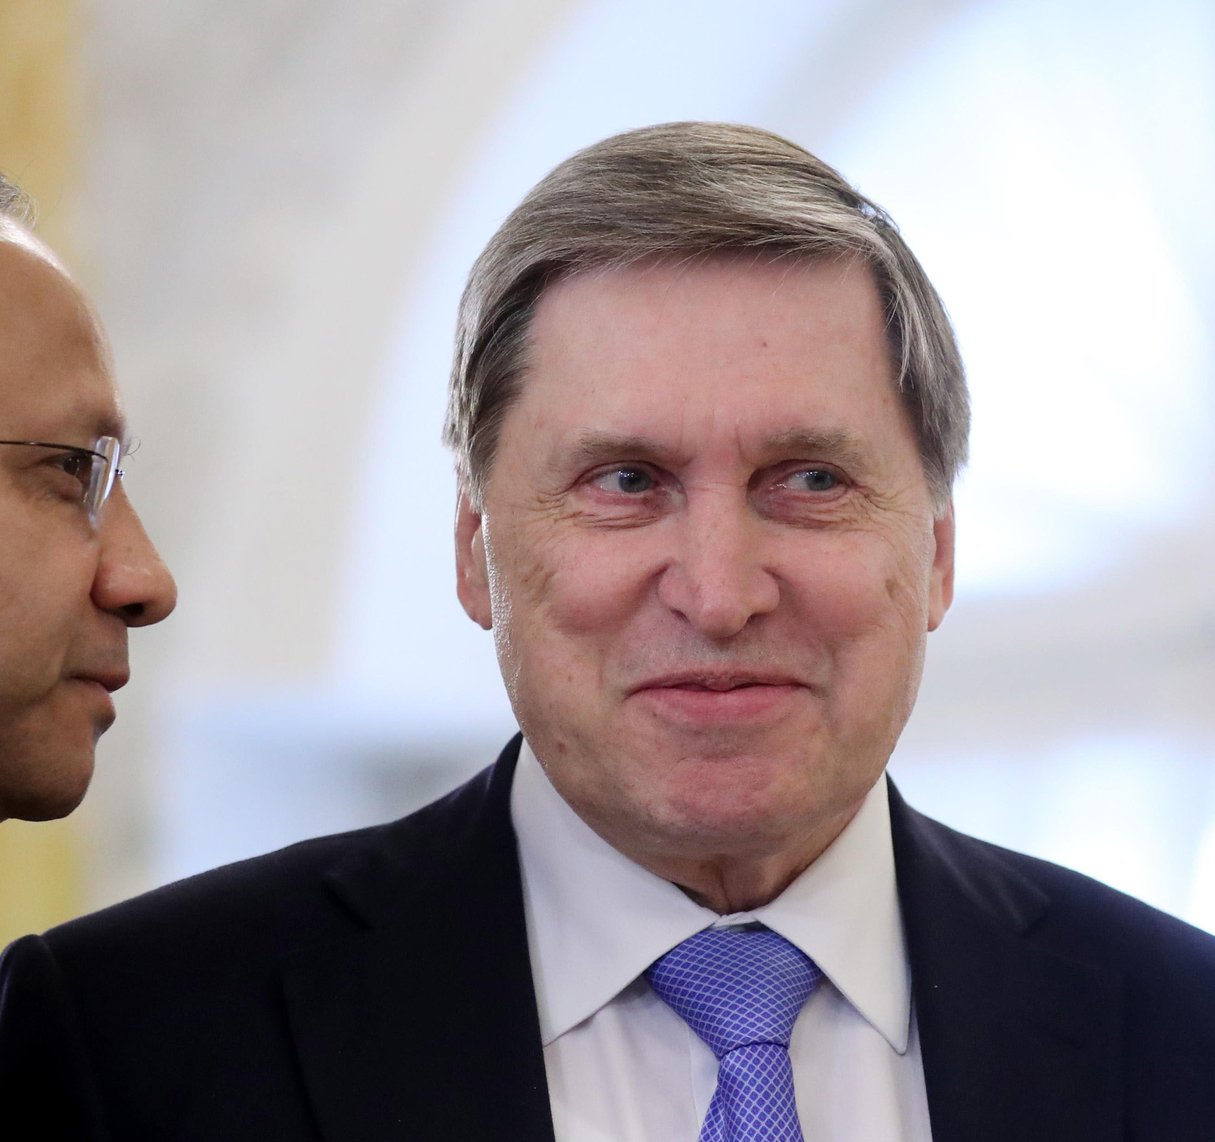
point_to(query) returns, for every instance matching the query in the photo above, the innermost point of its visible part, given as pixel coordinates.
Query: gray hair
(683, 190)
(14, 202)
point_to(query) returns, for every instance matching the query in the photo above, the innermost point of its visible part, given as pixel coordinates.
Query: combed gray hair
(681, 190)
(14, 202)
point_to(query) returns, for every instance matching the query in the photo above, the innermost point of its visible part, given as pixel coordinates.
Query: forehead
(55, 375)
(732, 303)
(775, 344)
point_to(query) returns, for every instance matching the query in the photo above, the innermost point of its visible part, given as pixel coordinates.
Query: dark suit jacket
(376, 986)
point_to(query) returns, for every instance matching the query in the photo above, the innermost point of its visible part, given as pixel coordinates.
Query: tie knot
(735, 986)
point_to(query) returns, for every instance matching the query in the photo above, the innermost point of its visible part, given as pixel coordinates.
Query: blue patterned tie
(740, 990)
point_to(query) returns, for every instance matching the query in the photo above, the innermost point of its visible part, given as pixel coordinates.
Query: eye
(627, 480)
(77, 465)
(811, 480)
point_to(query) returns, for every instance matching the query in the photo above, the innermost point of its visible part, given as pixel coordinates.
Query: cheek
(43, 602)
(575, 583)
(32, 653)
(869, 594)
(908, 583)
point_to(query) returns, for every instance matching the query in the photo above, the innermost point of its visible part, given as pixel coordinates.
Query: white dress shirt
(623, 1067)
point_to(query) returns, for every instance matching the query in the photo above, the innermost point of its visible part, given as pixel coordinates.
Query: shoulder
(306, 892)
(1055, 907)
(184, 1004)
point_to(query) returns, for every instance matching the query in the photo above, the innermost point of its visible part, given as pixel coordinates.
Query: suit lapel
(1017, 1042)
(422, 1024)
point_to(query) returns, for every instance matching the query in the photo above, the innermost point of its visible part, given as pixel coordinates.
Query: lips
(110, 680)
(718, 681)
(699, 698)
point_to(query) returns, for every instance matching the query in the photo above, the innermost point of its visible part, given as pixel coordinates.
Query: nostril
(133, 611)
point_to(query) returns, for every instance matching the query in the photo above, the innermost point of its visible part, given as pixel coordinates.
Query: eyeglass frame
(108, 450)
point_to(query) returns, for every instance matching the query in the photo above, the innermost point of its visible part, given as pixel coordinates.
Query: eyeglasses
(95, 469)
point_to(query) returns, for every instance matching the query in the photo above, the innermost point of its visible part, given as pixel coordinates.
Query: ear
(940, 589)
(472, 572)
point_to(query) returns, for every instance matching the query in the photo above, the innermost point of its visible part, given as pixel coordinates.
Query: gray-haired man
(707, 411)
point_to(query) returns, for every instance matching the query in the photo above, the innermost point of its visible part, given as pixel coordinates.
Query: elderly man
(76, 569)
(706, 410)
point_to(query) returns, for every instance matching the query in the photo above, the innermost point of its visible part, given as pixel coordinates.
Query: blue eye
(630, 481)
(813, 480)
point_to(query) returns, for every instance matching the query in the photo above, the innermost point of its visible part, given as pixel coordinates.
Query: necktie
(740, 990)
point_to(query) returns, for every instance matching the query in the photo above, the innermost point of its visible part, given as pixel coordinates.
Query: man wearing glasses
(76, 568)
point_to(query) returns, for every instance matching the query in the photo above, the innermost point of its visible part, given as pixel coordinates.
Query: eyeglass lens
(101, 473)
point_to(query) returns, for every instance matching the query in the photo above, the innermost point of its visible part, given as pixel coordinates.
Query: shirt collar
(596, 920)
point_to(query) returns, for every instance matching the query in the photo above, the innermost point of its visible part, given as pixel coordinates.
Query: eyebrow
(116, 426)
(95, 423)
(599, 447)
(839, 445)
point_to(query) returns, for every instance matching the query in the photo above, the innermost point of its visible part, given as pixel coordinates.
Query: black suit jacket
(376, 986)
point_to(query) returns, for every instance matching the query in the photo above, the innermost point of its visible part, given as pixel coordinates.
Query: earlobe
(472, 569)
(941, 587)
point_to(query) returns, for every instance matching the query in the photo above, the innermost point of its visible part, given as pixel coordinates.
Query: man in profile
(76, 569)
(707, 411)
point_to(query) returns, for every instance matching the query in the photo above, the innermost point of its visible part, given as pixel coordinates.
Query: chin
(759, 804)
(733, 815)
(52, 796)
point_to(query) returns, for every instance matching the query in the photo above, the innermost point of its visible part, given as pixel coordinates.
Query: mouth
(728, 697)
(718, 682)
(108, 680)
(96, 689)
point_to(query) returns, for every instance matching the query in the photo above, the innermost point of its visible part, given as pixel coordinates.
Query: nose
(132, 580)
(718, 578)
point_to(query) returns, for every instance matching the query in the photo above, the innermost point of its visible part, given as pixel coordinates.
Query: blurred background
(274, 204)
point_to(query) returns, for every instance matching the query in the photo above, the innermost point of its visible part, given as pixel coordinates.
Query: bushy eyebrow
(836, 445)
(839, 445)
(594, 448)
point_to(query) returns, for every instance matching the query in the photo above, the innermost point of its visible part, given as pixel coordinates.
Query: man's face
(68, 592)
(709, 554)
